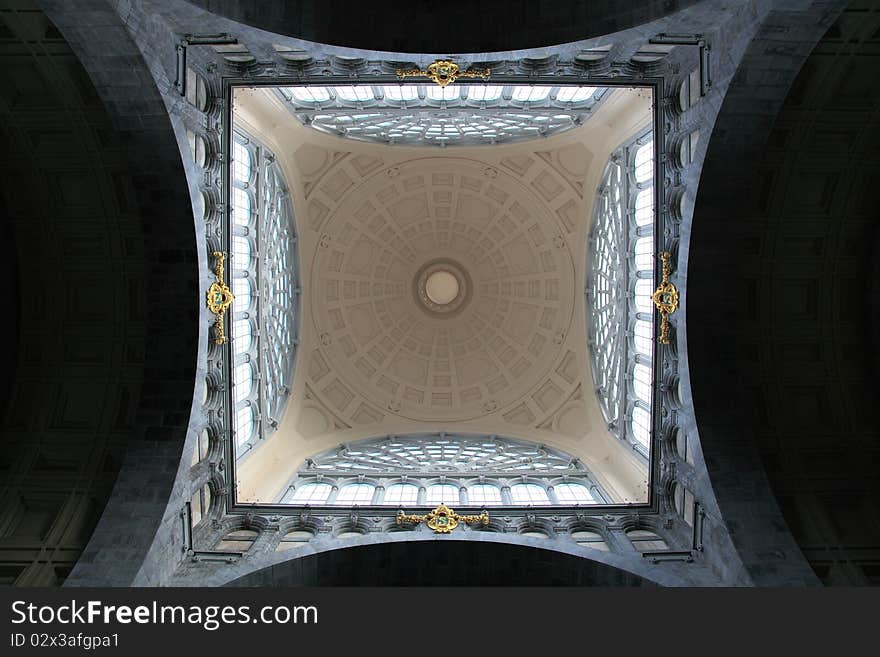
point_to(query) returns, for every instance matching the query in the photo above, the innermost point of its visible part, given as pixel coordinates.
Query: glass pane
(241, 290)
(355, 494)
(573, 494)
(644, 162)
(241, 162)
(310, 94)
(241, 207)
(401, 494)
(645, 207)
(484, 494)
(528, 494)
(354, 93)
(442, 494)
(530, 93)
(242, 381)
(484, 92)
(574, 94)
(642, 382)
(641, 426)
(308, 494)
(401, 92)
(244, 425)
(450, 92)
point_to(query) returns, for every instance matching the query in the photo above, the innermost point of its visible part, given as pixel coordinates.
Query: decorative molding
(665, 298)
(442, 519)
(220, 297)
(443, 72)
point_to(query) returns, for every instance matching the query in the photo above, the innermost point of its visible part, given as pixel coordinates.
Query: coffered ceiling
(504, 352)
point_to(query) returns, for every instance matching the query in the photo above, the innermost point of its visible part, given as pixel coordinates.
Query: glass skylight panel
(484, 93)
(443, 93)
(355, 494)
(407, 463)
(354, 93)
(484, 494)
(241, 289)
(622, 267)
(523, 494)
(401, 494)
(244, 425)
(401, 92)
(241, 336)
(642, 382)
(311, 94)
(241, 206)
(241, 163)
(471, 113)
(242, 381)
(644, 207)
(308, 494)
(530, 93)
(442, 494)
(241, 250)
(575, 94)
(644, 162)
(573, 494)
(641, 425)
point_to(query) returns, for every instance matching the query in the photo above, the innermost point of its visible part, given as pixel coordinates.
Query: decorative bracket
(443, 72)
(443, 519)
(665, 298)
(220, 297)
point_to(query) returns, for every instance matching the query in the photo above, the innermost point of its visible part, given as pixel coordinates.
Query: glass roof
(428, 114)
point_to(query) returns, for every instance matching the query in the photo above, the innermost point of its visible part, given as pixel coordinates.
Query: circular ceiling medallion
(442, 288)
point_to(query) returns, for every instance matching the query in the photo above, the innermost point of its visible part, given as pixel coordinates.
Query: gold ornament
(442, 519)
(220, 297)
(443, 72)
(665, 298)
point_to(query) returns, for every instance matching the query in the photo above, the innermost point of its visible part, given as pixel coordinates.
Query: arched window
(419, 114)
(528, 494)
(401, 494)
(240, 540)
(263, 277)
(590, 539)
(310, 493)
(355, 494)
(442, 494)
(573, 494)
(200, 504)
(620, 311)
(646, 541)
(484, 494)
(450, 468)
(294, 539)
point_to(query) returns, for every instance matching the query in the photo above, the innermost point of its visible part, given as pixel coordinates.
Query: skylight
(458, 114)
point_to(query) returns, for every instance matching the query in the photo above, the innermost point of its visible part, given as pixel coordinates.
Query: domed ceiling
(502, 253)
(442, 292)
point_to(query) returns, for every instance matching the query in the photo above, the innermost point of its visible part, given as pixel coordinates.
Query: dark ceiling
(783, 295)
(454, 26)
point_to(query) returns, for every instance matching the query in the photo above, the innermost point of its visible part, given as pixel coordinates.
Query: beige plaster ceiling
(507, 356)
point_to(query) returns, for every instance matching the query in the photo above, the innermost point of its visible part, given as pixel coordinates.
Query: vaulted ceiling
(508, 356)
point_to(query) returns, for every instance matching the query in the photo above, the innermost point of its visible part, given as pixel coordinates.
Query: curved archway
(781, 252)
(430, 563)
(496, 25)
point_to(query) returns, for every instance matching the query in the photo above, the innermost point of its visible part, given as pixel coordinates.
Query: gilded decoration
(219, 297)
(443, 72)
(665, 298)
(442, 519)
